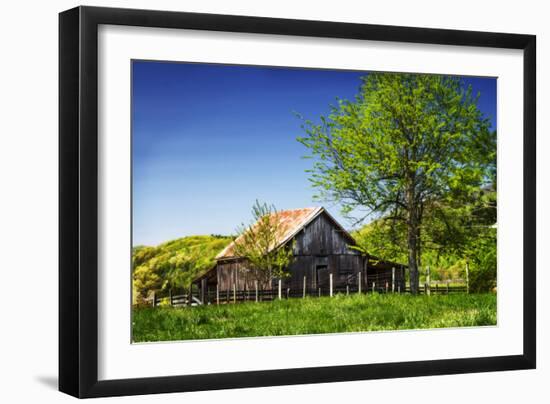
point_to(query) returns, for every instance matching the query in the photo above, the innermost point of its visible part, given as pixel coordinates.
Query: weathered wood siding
(320, 249)
(321, 237)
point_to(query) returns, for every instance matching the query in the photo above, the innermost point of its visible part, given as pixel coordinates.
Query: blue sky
(207, 140)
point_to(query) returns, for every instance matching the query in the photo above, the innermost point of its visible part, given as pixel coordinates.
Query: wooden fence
(196, 297)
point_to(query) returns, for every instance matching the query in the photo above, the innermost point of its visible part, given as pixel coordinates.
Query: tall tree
(259, 244)
(405, 144)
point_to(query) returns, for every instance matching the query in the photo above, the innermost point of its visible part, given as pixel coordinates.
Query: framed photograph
(251, 201)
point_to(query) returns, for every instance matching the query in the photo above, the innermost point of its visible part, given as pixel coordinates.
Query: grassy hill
(173, 264)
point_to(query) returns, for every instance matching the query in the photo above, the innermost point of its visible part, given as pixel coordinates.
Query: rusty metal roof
(291, 222)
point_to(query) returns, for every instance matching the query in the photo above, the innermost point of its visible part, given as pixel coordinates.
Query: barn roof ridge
(294, 220)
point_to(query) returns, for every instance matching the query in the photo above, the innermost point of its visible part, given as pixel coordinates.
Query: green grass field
(341, 313)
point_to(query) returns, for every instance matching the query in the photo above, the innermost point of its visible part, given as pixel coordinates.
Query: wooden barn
(322, 249)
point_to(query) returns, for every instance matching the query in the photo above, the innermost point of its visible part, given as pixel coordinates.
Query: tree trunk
(413, 267)
(413, 241)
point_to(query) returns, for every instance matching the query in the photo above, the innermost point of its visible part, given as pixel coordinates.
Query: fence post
(347, 289)
(319, 292)
(373, 287)
(330, 284)
(304, 288)
(393, 279)
(467, 277)
(359, 282)
(287, 293)
(428, 280)
(154, 299)
(217, 294)
(234, 292)
(190, 295)
(256, 286)
(386, 286)
(170, 296)
(280, 294)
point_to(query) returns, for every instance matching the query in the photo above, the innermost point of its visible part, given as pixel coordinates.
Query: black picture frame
(78, 201)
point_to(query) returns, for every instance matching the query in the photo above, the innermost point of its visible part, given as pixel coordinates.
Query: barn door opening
(322, 276)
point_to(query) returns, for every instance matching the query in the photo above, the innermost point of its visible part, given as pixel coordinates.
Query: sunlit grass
(312, 315)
